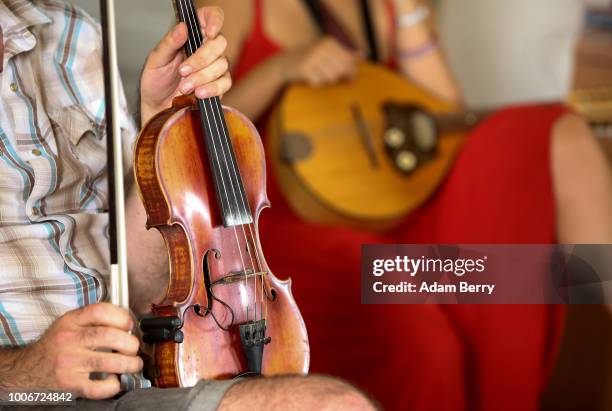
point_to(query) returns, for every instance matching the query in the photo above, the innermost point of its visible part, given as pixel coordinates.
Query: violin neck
(229, 188)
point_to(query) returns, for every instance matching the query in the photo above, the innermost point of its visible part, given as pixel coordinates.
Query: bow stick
(119, 292)
(118, 252)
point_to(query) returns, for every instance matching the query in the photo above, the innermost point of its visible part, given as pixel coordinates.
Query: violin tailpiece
(253, 338)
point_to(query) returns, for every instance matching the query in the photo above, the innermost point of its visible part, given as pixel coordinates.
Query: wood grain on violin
(363, 153)
(200, 171)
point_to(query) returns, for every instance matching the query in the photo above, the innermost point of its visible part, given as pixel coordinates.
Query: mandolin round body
(330, 177)
(175, 185)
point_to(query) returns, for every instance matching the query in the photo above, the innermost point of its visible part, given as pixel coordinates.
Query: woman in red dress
(526, 175)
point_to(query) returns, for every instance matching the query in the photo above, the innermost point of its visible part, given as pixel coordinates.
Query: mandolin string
(192, 45)
(219, 112)
(215, 104)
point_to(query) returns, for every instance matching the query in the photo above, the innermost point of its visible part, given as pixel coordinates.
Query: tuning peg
(394, 138)
(406, 161)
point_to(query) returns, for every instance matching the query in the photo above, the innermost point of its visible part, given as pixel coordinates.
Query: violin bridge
(238, 276)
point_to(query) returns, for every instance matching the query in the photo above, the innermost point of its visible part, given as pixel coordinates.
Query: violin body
(328, 150)
(209, 283)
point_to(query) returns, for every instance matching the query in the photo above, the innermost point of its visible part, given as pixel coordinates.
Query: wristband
(412, 19)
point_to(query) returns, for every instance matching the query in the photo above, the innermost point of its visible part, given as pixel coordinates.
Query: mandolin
(363, 154)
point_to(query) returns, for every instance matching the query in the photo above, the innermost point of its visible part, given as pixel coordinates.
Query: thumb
(169, 46)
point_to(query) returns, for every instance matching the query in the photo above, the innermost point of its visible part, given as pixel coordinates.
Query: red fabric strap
(333, 27)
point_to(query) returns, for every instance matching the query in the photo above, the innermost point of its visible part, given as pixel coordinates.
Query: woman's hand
(323, 63)
(167, 74)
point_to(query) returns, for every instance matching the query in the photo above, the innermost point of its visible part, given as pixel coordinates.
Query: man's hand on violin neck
(66, 355)
(167, 74)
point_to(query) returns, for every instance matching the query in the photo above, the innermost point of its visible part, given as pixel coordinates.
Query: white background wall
(510, 51)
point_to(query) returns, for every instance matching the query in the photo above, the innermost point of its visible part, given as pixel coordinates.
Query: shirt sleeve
(129, 131)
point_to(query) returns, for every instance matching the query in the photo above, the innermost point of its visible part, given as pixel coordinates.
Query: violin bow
(119, 294)
(119, 291)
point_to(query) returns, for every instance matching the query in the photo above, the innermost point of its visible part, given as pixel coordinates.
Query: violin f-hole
(207, 280)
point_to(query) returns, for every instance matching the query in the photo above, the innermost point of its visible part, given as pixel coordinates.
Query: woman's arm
(419, 57)
(254, 93)
(323, 62)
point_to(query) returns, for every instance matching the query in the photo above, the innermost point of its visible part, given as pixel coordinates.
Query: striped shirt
(53, 177)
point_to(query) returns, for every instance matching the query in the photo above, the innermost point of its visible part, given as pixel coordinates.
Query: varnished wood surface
(176, 188)
(336, 184)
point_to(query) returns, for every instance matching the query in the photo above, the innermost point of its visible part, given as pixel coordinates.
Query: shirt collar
(16, 18)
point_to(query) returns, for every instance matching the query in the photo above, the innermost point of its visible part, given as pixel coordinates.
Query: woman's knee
(573, 143)
(582, 183)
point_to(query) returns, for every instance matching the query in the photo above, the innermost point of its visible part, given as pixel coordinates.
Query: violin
(200, 172)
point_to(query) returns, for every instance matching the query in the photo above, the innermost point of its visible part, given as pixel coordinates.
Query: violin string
(264, 301)
(191, 20)
(219, 119)
(246, 207)
(251, 246)
(199, 39)
(185, 10)
(214, 103)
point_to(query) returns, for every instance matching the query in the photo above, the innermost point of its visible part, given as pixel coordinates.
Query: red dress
(429, 357)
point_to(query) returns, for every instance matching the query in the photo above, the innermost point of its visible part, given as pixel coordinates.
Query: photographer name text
(413, 267)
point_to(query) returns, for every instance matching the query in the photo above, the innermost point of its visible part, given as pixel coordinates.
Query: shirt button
(93, 124)
(36, 152)
(35, 211)
(14, 87)
(68, 258)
